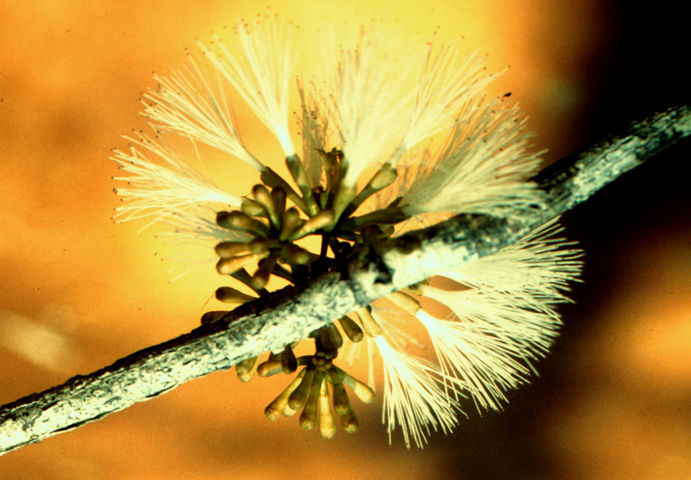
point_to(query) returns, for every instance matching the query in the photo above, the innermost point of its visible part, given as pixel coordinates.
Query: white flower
(163, 192)
(413, 397)
(186, 103)
(482, 168)
(504, 317)
(371, 110)
(263, 75)
(447, 82)
(382, 102)
(537, 269)
(465, 351)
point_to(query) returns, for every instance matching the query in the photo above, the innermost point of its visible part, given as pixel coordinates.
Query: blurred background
(613, 399)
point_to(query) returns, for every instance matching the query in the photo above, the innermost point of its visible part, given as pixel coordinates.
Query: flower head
(488, 320)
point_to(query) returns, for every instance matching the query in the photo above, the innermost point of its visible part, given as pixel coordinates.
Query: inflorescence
(376, 159)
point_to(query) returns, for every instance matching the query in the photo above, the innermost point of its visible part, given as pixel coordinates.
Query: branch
(292, 313)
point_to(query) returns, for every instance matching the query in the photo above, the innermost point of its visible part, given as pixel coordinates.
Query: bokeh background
(613, 400)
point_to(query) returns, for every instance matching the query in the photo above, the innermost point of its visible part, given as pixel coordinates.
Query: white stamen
(372, 113)
(537, 268)
(446, 83)
(413, 397)
(483, 167)
(262, 75)
(186, 103)
(467, 352)
(160, 192)
(518, 330)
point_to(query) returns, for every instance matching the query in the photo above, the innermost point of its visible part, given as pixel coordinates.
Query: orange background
(77, 291)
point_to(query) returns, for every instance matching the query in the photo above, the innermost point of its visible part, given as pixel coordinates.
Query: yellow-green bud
(246, 368)
(288, 361)
(231, 295)
(320, 220)
(404, 302)
(299, 396)
(230, 249)
(369, 324)
(327, 426)
(351, 329)
(274, 410)
(308, 417)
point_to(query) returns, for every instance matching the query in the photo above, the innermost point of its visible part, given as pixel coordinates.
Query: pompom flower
(377, 154)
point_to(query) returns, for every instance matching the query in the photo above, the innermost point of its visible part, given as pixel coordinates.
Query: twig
(292, 313)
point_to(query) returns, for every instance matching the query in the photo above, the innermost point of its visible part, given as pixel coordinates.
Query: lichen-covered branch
(291, 314)
(576, 177)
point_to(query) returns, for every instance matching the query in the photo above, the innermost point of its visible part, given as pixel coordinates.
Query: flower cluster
(377, 156)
